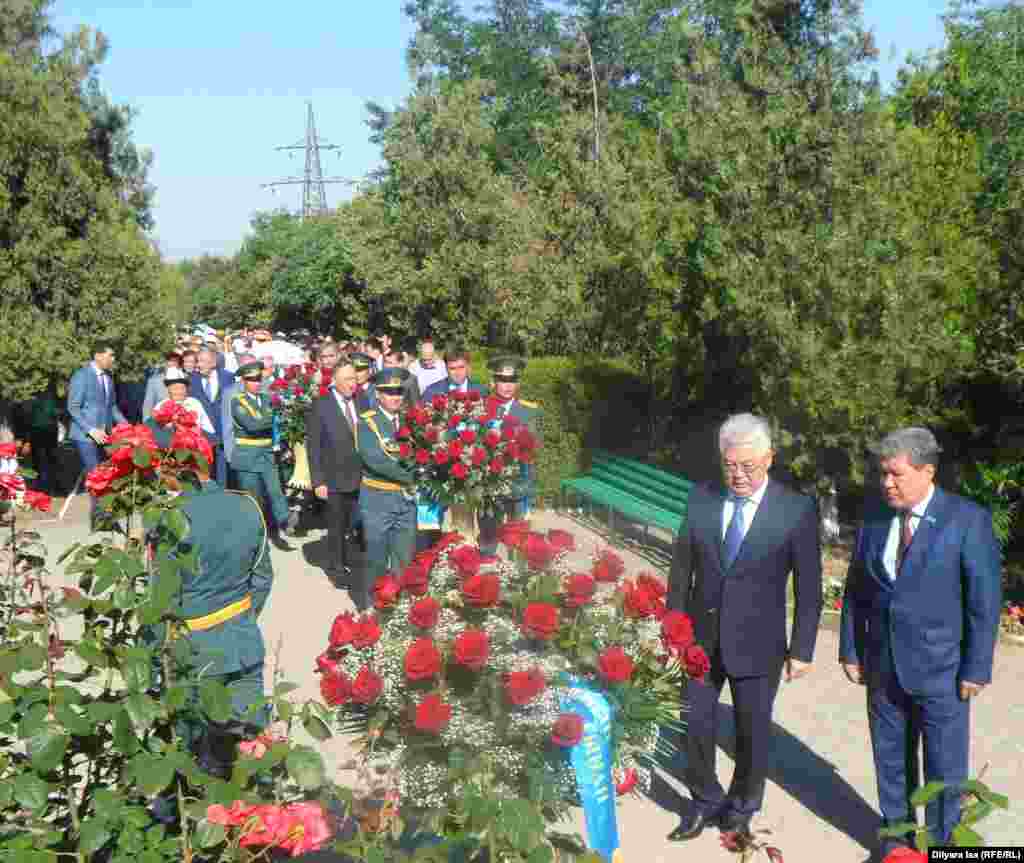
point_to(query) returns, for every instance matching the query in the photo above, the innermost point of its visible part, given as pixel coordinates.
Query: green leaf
(894, 831)
(142, 710)
(965, 837)
(136, 668)
(30, 792)
(46, 748)
(34, 720)
(91, 654)
(125, 598)
(305, 767)
(141, 457)
(316, 727)
(94, 835)
(105, 576)
(106, 803)
(541, 854)
(151, 773)
(979, 788)
(926, 793)
(31, 657)
(125, 738)
(215, 700)
(208, 835)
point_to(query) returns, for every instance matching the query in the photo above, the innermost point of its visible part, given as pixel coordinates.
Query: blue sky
(219, 84)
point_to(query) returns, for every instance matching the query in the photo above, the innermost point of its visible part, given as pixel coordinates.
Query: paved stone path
(820, 802)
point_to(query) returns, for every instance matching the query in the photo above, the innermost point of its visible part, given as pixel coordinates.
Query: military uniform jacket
(252, 418)
(527, 413)
(228, 531)
(375, 440)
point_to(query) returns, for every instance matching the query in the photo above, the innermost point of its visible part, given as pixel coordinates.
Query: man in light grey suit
(93, 410)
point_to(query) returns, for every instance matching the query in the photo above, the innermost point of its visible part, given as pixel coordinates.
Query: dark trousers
(220, 465)
(753, 699)
(490, 522)
(44, 457)
(90, 455)
(389, 525)
(897, 720)
(340, 507)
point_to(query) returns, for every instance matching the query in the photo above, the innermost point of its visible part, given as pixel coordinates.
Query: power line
(314, 196)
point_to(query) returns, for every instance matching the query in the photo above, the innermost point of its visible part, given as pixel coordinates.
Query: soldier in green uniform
(387, 499)
(216, 636)
(253, 459)
(505, 371)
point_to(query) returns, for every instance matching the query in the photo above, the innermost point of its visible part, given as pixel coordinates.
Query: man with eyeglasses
(730, 570)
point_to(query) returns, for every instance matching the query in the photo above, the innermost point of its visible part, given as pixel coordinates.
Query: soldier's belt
(228, 612)
(254, 441)
(381, 485)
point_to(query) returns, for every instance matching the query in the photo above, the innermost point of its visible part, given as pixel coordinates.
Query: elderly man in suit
(730, 569)
(156, 389)
(93, 409)
(208, 385)
(919, 624)
(335, 466)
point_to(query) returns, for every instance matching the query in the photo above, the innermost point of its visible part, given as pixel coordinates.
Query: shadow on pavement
(798, 770)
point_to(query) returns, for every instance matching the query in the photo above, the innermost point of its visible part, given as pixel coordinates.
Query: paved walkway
(820, 803)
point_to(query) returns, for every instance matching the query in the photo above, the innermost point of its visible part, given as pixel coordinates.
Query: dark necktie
(734, 532)
(906, 538)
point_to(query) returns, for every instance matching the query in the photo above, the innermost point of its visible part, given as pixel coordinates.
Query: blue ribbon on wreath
(591, 760)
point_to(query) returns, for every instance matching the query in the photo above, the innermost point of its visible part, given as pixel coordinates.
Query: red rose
(194, 441)
(291, 371)
(492, 439)
(455, 449)
(326, 664)
(37, 500)
(367, 632)
(459, 470)
(467, 436)
(614, 665)
(99, 479)
(422, 660)
(164, 412)
(367, 686)
(279, 384)
(508, 432)
(432, 714)
(324, 391)
(540, 620)
(424, 612)
(471, 648)
(343, 630)
(567, 730)
(677, 631)
(608, 566)
(628, 782)
(414, 579)
(638, 603)
(478, 456)
(514, 533)
(538, 551)
(453, 421)
(441, 457)
(579, 589)
(511, 452)
(276, 401)
(457, 395)
(431, 434)
(466, 560)
(696, 662)
(422, 456)
(404, 432)
(335, 688)
(651, 584)
(522, 687)
(473, 395)
(481, 590)
(496, 465)
(386, 590)
(439, 403)
(8, 450)
(903, 854)
(404, 450)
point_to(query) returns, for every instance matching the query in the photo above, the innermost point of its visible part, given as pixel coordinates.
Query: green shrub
(998, 488)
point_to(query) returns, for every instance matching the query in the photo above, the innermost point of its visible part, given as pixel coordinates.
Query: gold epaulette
(531, 405)
(369, 413)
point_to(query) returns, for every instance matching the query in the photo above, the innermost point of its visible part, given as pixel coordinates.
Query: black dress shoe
(692, 825)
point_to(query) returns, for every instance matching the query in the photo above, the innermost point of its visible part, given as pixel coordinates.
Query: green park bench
(638, 491)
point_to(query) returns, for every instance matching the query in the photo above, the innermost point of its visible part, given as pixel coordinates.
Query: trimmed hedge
(585, 405)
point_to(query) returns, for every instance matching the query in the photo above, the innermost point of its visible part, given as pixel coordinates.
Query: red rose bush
(473, 659)
(461, 453)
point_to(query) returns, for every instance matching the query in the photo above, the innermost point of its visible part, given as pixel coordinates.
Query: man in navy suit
(730, 570)
(93, 409)
(456, 361)
(920, 616)
(209, 384)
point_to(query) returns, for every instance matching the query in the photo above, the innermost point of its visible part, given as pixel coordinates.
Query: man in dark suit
(334, 464)
(730, 569)
(456, 361)
(208, 385)
(919, 624)
(93, 409)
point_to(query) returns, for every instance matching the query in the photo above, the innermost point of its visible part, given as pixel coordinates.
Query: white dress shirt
(749, 509)
(892, 542)
(101, 376)
(348, 407)
(427, 376)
